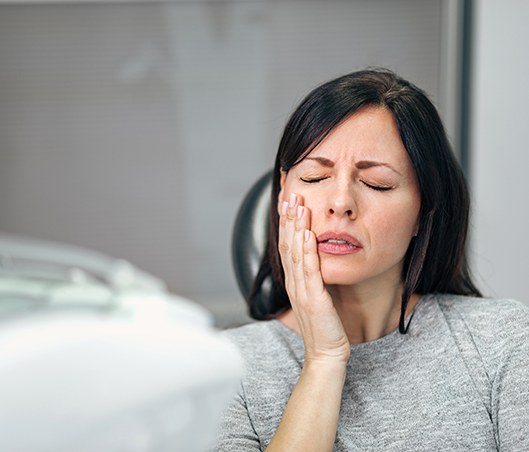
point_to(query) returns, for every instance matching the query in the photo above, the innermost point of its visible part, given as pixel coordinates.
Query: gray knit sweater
(458, 381)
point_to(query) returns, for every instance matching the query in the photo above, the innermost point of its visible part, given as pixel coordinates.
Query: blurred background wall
(135, 128)
(499, 121)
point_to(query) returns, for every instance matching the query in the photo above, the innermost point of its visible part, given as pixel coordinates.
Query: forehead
(369, 134)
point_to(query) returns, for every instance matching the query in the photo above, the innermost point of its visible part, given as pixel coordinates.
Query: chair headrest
(250, 233)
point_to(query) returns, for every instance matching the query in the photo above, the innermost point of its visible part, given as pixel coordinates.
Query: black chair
(249, 238)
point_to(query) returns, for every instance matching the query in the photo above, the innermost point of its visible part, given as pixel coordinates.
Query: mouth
(338, 243)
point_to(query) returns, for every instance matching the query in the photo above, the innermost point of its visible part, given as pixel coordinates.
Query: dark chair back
(249, 237)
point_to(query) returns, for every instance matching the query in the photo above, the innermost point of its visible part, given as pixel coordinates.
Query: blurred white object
(94, 362)
(50, 259)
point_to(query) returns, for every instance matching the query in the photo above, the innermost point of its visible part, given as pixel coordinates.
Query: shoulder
(251, 335)
(265, 340)
(496, 323)
(476, 310)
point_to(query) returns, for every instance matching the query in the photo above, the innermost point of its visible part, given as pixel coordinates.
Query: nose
(342, 202)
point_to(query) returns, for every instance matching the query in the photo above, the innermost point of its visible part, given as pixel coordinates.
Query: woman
(379, 339)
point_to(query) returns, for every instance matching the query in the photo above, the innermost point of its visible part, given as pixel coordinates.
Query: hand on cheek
(316, 316)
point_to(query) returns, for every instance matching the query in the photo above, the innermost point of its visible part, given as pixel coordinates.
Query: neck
(369, 315)
(366, 315)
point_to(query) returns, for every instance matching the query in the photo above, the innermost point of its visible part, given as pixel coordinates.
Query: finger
(311, 265)
(285, 229)
(298, 243)
(283, 243)
(286, 233)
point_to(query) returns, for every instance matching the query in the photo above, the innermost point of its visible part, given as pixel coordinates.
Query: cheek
(396, 226)
(314, 201)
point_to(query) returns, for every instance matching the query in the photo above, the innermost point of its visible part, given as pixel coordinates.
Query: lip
(351, 246)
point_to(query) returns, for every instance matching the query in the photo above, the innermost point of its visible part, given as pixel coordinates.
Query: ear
(281, 194)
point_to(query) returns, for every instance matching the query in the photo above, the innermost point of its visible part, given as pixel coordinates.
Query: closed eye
(377, 187)
(313, 180)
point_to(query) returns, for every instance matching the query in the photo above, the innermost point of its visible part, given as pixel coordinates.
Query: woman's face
(361, 189)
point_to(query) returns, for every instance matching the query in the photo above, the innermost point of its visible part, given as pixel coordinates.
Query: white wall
(500, 147)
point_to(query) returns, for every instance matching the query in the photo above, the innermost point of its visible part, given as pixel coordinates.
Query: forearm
(310, 419)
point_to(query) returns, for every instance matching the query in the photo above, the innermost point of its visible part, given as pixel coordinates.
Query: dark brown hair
(436, 259)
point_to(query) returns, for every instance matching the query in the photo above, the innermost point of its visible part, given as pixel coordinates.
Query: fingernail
(307, 235)
(284, 208)
(292, 200)
(300, 212)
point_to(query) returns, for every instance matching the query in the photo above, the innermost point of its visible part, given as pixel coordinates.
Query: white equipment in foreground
(104, 361)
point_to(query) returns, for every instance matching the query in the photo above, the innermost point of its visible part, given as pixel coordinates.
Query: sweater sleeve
(510, 383)
(236, 430)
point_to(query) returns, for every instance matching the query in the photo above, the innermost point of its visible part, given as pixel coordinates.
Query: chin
(348, 274)
(343, 276)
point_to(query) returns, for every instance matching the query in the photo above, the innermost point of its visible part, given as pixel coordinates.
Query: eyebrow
(322, 161)
(363, 164)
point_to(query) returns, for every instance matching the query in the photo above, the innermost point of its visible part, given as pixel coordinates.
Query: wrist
(328, 358)
(324, 368)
